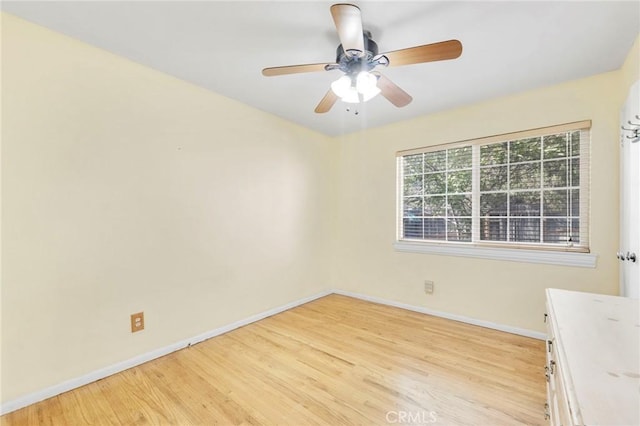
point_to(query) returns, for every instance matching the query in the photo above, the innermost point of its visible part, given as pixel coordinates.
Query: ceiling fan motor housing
(356, 62)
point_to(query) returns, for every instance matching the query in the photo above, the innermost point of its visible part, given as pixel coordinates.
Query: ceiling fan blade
(393, 93)
(349, 25)
(327, 102)
(450, 49)
(293, 69)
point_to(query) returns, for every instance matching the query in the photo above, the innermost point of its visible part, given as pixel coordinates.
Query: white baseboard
(460, 318)
(71, 384)
(77, 382)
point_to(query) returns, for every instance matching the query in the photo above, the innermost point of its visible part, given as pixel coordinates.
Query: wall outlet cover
(137, 322)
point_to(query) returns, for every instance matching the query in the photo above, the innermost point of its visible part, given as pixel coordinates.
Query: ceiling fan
(357, 56)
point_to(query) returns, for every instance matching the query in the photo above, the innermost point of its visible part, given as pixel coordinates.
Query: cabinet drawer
(562, 415)
(559, 407)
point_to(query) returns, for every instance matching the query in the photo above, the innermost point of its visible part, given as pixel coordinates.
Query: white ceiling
(508, 47)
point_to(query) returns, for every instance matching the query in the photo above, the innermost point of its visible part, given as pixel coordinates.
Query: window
(525, 190)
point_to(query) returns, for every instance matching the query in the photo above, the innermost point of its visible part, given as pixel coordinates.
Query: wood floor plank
(87, 406)
(336, 360)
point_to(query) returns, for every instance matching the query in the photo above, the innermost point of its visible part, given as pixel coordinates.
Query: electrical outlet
(428, 287)
(137, 322)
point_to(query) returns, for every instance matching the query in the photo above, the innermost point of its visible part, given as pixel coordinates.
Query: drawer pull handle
(547, 416)
(545, 317)
(552, 364)
(550, 345)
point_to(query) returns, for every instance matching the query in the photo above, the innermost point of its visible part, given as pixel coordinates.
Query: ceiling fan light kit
(354, 90)
(357, 56)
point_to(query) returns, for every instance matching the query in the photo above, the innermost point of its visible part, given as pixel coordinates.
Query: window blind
(526, 189)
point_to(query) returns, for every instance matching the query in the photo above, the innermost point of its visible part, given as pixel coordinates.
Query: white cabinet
(593, 359)
(630, 195)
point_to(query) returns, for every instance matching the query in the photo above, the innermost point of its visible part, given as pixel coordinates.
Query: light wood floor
(333, 361)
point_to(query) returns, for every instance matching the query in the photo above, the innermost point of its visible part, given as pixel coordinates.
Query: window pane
(459, 181)
(435, 183)
(525, 204)
(525, 176)
(574, 208)
(435, 228)
(555, 173)
(575, 172)
(435, 206)
(493, 229)
(524, 150)
(412, 228)
(575, 144)
(555, 230)
(575, 230)
(493, 204)
(412, 206)
(459, 205)
(459, 229)
(493, 178)
(435, 161)
(555, 146)
(556, 203)
(525, 230)
(460, 158)
(493, 154)
(412, 164)
(413, 185)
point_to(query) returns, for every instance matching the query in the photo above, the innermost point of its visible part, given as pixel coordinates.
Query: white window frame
(518, 252)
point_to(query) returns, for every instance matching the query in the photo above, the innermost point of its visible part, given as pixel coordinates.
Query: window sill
(583, 260)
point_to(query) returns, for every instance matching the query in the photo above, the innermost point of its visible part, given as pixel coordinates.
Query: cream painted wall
(507, 293)
(124, 189)
(630, 69)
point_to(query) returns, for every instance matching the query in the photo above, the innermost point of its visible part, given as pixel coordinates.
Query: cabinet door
(630, 196)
